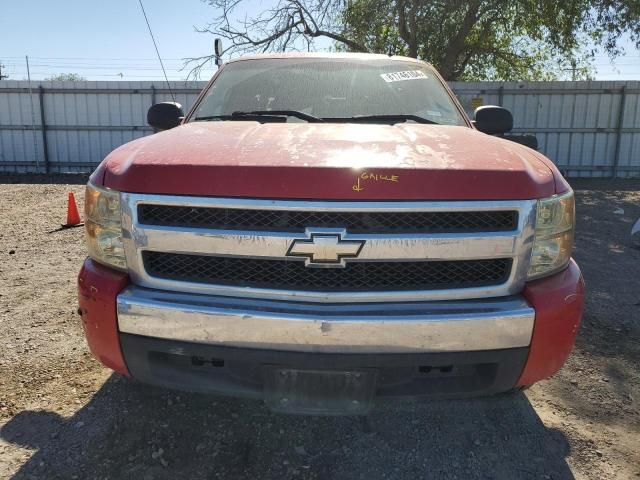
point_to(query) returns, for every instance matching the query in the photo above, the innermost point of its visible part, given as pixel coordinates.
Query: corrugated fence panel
(84, 120)
(578, 124)
(20, 137)
(630, 142)
(589, 129)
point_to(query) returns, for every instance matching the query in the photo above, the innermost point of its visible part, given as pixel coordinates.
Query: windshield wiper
(246, 118)
(280, 116)
(264, 116)
(286, 113)
(392, 118)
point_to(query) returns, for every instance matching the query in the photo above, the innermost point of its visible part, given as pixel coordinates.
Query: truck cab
(320, 230)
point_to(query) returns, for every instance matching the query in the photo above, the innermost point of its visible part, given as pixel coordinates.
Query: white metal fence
(589, 129)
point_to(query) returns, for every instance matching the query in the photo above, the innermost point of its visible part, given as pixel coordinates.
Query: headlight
(553, 242)
(103, 226)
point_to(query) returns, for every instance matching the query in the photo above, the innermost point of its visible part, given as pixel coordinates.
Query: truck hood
(328, 161)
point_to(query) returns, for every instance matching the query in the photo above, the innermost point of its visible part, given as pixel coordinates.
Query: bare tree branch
(288, 25)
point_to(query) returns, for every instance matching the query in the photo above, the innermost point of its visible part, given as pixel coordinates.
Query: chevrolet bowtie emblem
(325, 249)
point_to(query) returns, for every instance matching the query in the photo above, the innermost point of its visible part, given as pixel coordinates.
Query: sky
(110, 41)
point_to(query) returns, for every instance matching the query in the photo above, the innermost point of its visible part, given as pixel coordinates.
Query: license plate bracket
(319, 392)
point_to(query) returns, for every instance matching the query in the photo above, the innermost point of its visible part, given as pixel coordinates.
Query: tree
(66, 77)
(464, 39)
(490, 39)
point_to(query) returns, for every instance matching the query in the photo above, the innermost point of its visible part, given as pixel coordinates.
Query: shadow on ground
(610, 332)
(131, 430)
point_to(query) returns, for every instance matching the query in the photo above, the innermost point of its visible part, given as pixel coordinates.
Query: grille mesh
(355, 222)
(293, 275)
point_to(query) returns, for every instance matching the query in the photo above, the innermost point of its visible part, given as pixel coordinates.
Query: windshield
(336, 89)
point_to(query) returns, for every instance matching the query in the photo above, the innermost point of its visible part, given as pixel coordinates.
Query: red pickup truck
(323, 229)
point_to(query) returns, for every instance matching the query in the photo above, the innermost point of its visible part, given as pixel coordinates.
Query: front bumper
(231, 346)
(380, 328)
(223, 345)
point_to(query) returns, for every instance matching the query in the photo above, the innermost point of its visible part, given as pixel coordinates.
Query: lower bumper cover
(241, 371)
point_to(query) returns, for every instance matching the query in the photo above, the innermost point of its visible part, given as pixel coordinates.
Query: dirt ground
(64, 416)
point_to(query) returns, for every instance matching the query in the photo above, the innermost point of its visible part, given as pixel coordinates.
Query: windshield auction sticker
(406, 75)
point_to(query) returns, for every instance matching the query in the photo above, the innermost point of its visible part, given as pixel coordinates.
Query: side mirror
(165, 115)
(493, 120)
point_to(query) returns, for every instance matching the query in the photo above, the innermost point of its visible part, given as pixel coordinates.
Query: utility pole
(2, 77)
(573, 70)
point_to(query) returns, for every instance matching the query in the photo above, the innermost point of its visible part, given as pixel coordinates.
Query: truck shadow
(131, 430)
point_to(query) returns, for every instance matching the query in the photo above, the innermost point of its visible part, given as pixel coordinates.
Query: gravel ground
(62, 415)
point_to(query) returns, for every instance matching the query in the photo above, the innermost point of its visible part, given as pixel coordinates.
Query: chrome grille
(411, 251)
(293, 275)
(354, 222)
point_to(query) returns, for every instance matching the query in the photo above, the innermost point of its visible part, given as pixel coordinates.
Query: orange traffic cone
(73, 216)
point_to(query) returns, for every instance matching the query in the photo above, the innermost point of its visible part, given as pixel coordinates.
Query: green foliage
(66, 77)
(494, 39)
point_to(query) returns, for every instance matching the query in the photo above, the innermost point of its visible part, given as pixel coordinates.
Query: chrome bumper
(448, 326)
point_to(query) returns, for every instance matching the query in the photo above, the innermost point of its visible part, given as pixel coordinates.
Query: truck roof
(327, 55)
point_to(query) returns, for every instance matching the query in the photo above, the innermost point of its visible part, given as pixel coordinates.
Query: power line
(95, 58)
(180, 64)
(98, 62)
(108, 67)
(157, 51)
(128, 77)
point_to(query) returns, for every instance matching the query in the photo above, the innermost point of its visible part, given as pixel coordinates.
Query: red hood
(328, 161)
